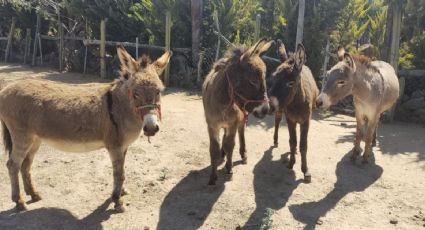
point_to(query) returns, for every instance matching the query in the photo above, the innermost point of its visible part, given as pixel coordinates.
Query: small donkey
(81, 118)
(294, 93)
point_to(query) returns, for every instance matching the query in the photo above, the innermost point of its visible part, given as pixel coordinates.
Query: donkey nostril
(319, 103)
(156, 128)
(145, 129)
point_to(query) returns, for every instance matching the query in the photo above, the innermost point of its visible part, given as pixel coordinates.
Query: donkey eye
(340, 83)
(290, 84)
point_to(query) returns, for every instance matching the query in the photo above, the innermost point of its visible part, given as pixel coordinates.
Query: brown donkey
(375, 89)
(294, 94)
(80, 118)
(234, 88)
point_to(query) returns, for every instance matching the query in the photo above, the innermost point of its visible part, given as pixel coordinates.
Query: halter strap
(233, 94)
(144, 109)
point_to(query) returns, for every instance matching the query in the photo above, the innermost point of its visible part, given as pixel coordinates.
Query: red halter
(145, 109)
(233, 94)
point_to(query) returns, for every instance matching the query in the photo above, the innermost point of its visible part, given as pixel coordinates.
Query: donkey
(234, 88)
(375, 89)
(81, 118)
(294, 94)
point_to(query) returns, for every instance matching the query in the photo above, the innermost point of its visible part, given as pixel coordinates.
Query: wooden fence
(102, 43)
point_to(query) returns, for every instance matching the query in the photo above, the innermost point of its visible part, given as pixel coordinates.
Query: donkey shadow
(273, 185)
(190, 202)
(54, 218)
(350, 178)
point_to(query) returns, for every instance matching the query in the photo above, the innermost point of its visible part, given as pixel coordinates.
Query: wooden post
(300, 25)
(102, 49)
(325, 63)
(27, 44)
(198, 79)
(137, 47)
(392, 44)
(10, 39)
(61, 42)
(37, 30)
(167, 44)
(40, 48)
(217, 24)
(85, 50)
(196, 6)
(257, 28)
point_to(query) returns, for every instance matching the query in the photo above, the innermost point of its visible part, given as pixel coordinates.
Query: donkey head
(287, 77)
(340, 81)
(144, 87)
(248, 77)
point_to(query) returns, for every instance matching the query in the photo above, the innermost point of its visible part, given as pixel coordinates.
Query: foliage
(345, 22)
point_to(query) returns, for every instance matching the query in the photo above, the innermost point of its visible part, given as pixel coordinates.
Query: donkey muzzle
(150, 124)
(262, 110)
(323, 101)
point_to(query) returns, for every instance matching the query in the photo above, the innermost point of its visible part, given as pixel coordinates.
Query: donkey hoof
(212, 180)
(35, 197)
(244, 160)
(20, 206)
(119, 208)
(307, 178)
(124, 192)
(353, 157)
(229, 176)
(220, 161)
(290, 165)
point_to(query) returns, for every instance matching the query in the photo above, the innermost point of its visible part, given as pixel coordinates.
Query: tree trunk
(392, 43)
(300, 25)
(196, 6)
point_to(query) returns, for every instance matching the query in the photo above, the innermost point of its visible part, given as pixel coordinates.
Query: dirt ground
(167, 179)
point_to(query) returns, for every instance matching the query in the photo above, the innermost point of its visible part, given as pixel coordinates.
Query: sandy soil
(167, 179)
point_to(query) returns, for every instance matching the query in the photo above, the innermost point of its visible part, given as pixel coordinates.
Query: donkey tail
(7, 139)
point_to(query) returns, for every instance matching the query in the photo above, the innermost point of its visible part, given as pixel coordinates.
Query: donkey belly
(74, 146)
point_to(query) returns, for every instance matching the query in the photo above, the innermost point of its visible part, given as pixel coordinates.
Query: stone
(414, 103)
(418, 93)
(393, 221)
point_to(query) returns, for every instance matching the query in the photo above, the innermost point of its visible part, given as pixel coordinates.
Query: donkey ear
(281, 51)
(349, 60)
(340, 53)
(255, 49)
(128, 64)
(162, 62)
(299, 56)
(264, 48)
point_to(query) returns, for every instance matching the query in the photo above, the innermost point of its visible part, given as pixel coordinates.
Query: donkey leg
(215, 153)
(242, 146)
(118, 158)
(228, 146)
(14, 164)
(123, 190)
(277, 119)
(369, 137)
(292, 141)
(303, 150)
(26, 172)
(359, 136)
(374, 136)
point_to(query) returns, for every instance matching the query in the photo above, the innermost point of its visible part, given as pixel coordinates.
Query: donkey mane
(230, 57)
(365, 61)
